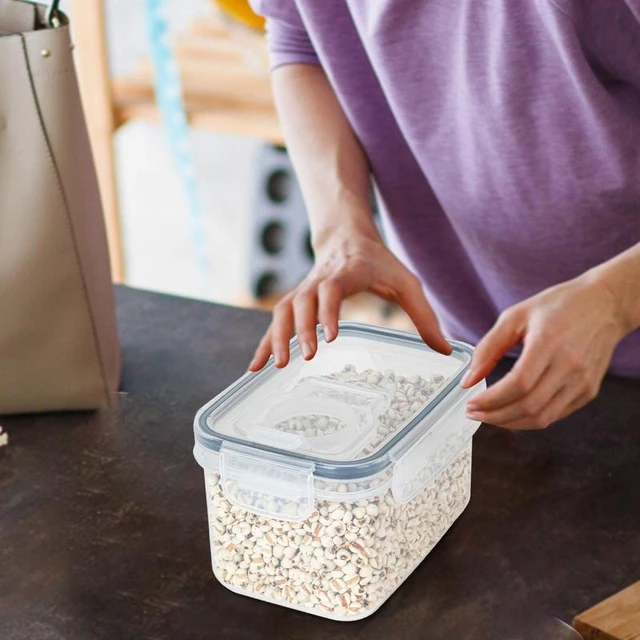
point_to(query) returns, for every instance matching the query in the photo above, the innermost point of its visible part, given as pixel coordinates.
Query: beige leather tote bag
(58, 338)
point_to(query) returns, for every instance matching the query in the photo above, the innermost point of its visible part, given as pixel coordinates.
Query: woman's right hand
(335, 180)
(346, 263)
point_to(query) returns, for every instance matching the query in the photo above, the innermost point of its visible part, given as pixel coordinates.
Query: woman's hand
(346, 263)
(334, 177)
(569, 334)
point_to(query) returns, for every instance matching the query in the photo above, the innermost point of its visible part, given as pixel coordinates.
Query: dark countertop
(103, 527)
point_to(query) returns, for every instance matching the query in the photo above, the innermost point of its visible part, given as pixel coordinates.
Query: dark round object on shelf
(267, 284)
(272, 237)
(308, 247)
(279, 186)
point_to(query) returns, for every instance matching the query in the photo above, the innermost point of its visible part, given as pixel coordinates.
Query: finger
(559, 403)
(305, 313)
(411, 298)
(281, 331)
(262, 353)
(506, 332)
(329, 300)
(534, 363)
(528, 406)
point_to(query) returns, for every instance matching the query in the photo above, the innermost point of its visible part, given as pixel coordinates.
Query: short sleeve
(287, 38)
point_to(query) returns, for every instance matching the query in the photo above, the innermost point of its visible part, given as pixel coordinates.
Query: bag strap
(51, 16)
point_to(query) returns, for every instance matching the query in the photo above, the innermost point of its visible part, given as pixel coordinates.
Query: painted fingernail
(307, 350)
(466, 377)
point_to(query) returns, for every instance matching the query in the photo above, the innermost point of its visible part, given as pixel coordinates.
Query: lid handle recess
(267, 483)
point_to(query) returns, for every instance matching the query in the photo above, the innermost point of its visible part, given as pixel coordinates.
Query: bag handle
(51, 15)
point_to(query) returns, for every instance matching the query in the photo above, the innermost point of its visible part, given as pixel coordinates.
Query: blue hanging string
(168, 90)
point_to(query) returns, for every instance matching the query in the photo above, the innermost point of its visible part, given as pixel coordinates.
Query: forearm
(621, 275)
(330, 165)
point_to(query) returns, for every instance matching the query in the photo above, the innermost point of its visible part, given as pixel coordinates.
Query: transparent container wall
(349, 556)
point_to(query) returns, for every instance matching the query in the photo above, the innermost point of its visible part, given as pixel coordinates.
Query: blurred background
(199, 195)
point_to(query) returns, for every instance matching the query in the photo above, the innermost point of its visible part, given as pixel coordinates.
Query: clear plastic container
(329, 481)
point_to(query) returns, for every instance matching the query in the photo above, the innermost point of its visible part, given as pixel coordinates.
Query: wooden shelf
(225, 82)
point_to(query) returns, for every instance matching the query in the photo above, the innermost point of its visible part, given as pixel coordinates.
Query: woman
(503, 139)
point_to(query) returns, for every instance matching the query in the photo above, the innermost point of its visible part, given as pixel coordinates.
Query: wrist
(343, 233)
(615, 281)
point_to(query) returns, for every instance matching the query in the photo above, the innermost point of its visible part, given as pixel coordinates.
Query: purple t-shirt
(503, 136)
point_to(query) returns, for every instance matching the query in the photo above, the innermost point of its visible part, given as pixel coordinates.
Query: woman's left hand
(569, 333)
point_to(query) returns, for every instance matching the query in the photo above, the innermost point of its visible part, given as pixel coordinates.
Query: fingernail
(307, 351)
(466, 377)
(473, 415)
(280, 358)
(328, 333)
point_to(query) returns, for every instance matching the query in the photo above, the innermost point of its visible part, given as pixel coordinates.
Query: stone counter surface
(104, 535)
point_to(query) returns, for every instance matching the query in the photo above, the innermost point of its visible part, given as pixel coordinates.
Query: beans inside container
(359, 543)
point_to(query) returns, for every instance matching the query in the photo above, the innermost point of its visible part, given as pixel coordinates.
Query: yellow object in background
(240, 11)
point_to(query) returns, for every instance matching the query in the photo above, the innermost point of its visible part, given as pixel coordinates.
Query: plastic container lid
(319, 417)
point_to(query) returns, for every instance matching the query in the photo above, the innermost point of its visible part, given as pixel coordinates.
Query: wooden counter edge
(616, 618)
